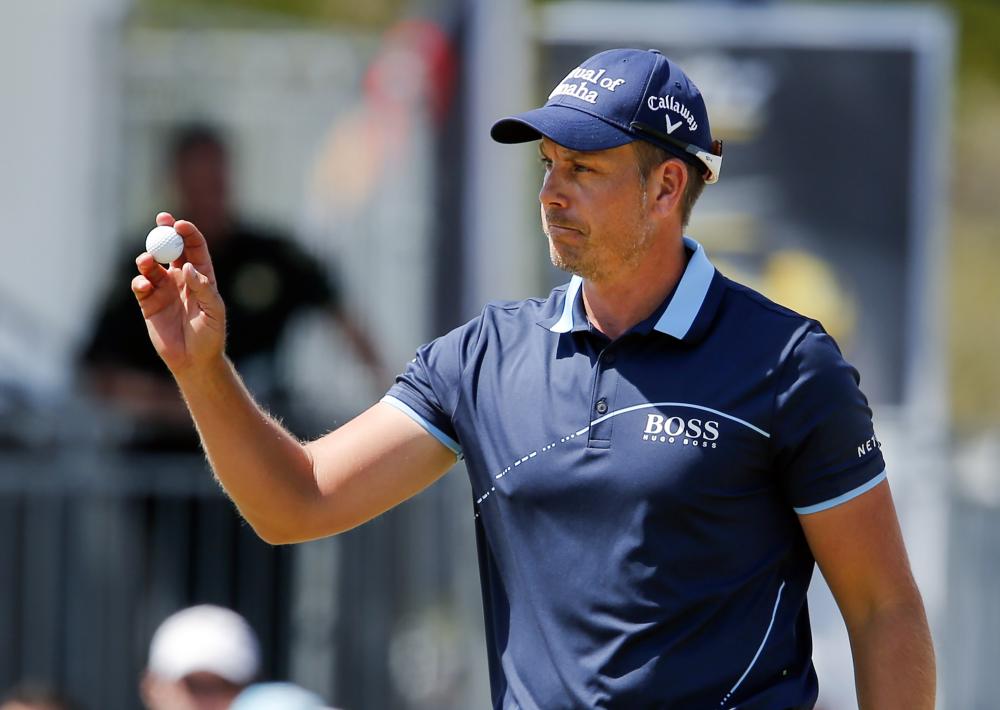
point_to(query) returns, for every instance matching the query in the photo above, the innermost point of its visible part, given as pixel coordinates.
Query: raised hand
(184, 313)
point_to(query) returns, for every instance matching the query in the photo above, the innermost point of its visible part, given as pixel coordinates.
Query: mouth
(563, 231)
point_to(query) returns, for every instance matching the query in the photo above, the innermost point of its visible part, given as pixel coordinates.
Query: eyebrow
(571, 154)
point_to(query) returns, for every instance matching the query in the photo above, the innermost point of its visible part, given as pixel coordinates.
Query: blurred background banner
(862, 154)
(825, 114)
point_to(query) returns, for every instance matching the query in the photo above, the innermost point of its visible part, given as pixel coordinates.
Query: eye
(578, 168)
(546, 162)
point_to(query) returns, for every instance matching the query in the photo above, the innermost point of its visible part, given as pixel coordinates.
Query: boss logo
(687, 432)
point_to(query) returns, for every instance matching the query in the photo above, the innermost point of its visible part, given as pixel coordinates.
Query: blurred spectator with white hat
(200, 658)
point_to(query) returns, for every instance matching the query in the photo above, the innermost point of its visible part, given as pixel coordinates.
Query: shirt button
(602, 406)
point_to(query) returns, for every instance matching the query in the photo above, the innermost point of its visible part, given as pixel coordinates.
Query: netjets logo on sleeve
(866, 447)
(662, 429)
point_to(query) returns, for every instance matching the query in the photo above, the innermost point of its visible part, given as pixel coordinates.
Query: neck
(617, 303)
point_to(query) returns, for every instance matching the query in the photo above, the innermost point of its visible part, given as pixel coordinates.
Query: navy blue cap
(619, 96)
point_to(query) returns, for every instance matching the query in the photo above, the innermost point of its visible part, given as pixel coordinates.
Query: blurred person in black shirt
(265, 278)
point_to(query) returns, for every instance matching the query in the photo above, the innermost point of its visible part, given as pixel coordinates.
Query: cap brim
(566, 126)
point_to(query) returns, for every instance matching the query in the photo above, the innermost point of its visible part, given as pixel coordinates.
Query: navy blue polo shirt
(637, 500)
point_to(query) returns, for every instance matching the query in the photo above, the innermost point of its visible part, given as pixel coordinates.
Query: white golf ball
(164, 244)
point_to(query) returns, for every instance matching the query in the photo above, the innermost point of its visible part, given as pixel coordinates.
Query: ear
(666, 185)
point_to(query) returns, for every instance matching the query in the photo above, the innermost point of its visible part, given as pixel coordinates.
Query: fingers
(154, 289)
(195, 248)
(149, 268)
(141, 287)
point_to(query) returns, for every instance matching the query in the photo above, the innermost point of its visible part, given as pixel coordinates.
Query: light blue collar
(680, 313)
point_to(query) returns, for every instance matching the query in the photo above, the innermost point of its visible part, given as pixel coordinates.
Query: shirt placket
(602, 404)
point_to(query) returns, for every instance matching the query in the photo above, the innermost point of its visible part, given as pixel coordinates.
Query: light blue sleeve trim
(834, 502)
(690, 294)
(431, 429)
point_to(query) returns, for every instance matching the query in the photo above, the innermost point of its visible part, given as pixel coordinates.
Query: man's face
(201, 175)
(195, 691)
(594, 210)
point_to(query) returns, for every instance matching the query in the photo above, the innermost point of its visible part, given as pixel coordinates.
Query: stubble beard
(596, 266)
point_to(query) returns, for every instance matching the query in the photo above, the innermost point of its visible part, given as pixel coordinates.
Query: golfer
(659, 456)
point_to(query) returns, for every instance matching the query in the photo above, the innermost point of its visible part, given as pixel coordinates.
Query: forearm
(894, 659)
(265, 470)
(286, 490)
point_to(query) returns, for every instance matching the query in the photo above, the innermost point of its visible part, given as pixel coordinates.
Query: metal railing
(98, 547)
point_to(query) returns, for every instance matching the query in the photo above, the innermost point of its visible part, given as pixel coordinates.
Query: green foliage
(370, 14)
(979, 31)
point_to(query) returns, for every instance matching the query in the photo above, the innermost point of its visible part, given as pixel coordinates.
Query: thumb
(199, 286)
(195, 280)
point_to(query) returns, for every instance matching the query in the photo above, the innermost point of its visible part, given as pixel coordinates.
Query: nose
(552, 192)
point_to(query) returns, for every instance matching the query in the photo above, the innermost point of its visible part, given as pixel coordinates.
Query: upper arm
(374, 462)
(859, 549)
(833, 474)
(825, 449)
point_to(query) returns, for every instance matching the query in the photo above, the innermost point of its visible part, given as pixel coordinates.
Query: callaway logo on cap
(619, 96)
